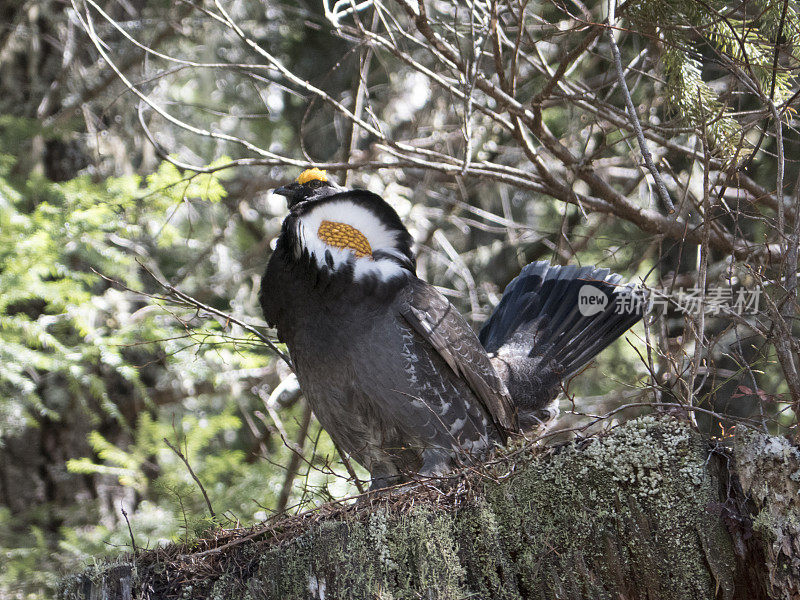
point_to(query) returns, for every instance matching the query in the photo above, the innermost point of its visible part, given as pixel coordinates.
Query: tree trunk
(649, 511)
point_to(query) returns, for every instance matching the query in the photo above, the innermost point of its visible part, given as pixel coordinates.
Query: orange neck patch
(342, 235)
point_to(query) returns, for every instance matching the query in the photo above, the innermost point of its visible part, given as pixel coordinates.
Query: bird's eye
(315, 183)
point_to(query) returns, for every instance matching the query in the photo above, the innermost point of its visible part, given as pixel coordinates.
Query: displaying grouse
(393, 372)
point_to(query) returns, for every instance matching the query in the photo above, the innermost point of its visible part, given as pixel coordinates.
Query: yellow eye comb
(311, 175)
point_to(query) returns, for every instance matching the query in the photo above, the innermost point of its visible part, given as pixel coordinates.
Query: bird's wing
(440, 324)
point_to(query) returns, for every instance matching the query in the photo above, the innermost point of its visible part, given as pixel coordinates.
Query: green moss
(117, 581)
(626, 515)
(768, 469)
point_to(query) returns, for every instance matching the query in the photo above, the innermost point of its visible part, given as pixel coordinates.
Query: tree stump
(650, 510)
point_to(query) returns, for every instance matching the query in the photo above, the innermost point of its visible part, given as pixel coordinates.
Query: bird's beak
(283, 191)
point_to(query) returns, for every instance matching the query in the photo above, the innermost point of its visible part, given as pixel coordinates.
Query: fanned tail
(550, 322)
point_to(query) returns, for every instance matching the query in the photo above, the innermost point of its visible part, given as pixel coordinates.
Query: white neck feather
(378, 235)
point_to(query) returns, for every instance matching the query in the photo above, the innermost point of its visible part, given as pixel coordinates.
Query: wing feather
(432, 316)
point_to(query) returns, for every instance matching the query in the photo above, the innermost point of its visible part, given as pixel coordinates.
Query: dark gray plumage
(538, 336)
(392, 371)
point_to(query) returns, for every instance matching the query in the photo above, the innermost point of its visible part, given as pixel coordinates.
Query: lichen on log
(649, 510)
(769, 471)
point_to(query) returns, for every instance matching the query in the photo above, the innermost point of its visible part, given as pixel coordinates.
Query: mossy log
(648, 511)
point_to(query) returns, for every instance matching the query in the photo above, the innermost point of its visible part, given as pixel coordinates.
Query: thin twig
(194, 476)
(130, 531)
(294, 461)
(637, 126)
(350, 470)
(187, 299)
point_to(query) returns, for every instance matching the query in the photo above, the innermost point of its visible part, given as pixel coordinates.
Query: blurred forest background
(139, 142)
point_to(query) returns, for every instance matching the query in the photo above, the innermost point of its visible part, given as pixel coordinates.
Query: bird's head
(312, 184)
(345, 230)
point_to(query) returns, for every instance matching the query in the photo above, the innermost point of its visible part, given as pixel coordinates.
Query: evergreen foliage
(83, 355)
(697, 38)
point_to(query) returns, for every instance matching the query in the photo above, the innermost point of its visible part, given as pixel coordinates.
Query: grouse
(392, 371)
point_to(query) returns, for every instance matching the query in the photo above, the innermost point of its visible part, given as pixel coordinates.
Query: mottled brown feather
(435, 319)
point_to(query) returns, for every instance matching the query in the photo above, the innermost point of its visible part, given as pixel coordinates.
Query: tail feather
(560, 316)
